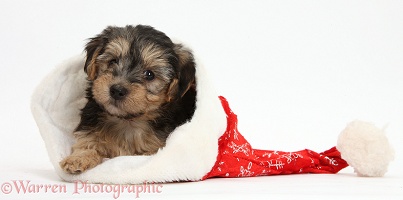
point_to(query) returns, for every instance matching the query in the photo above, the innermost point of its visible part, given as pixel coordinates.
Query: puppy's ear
(94, 48)
(185, 73)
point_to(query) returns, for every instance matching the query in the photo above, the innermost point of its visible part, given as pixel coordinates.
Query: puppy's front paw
(78, 163)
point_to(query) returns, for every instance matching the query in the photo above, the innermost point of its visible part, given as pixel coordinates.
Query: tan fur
(172, 90)
(183, 54)
(128, 125)
(137, 101)
(118, 47)
(92, 67)
(153, 56)
(130, 138)
(81, 160)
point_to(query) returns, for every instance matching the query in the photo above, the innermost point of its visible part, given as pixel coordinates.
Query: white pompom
(366, 148)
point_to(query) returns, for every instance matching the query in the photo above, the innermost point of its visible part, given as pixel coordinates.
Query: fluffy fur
(141, 87)
(190, 151)
(366, 148)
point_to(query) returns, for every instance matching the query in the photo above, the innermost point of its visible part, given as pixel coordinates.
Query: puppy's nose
(118, 92)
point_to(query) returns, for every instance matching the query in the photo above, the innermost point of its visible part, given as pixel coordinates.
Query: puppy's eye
(149, 75)
(113, 62)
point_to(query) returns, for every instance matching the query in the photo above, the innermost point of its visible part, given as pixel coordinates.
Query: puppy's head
(135, 70)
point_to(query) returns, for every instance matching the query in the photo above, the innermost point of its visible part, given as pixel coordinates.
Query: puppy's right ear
(94, 48)
(185, 70)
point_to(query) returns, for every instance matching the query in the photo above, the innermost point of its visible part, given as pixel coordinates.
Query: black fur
(171, 114)
(175, 114)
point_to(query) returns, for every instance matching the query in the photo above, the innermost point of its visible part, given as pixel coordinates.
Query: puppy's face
(135, 70)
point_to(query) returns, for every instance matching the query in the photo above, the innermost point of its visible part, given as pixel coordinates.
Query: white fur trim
(366, 148)
(190, 151)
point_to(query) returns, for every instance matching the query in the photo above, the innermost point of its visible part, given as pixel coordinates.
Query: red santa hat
(209, 145)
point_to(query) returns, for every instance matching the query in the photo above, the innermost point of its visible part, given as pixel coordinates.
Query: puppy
(141, 87)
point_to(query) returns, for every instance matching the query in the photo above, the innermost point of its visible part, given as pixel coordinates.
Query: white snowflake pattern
(278, 164)
(291, 157)
(332, 161)
(264, 173)
(235, 135)
(235, 131)
(239, 148)
(266, 155)
(246, 172)
(312, 161)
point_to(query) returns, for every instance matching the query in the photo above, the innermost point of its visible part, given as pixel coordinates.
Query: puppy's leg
(85, 155)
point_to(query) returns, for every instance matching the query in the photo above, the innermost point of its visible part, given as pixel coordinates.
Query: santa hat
(208, 145)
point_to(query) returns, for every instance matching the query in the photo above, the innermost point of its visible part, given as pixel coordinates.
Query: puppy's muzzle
(118, 92)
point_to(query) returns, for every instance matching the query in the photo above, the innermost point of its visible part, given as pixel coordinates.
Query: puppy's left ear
(186, 71)
(94, 48)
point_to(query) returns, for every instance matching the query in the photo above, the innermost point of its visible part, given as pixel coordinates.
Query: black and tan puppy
(141, 87)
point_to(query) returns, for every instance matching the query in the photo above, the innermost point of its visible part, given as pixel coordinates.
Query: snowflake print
(246, 172)
(291, 157)
(332, 161)
(266, 155)
(312, 161)
(239, 148)
(235, 132)
(278, 164)
(264, 173)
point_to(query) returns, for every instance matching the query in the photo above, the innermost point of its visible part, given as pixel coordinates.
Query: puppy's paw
(75, 164)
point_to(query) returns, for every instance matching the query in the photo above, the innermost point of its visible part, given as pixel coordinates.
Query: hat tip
(366, 148)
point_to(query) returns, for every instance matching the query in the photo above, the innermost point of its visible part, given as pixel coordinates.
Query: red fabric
(236, 157)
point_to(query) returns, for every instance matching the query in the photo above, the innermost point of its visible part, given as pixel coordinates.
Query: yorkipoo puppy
(141, 86)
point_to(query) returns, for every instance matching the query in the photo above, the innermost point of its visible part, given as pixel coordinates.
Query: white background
(295, 72)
